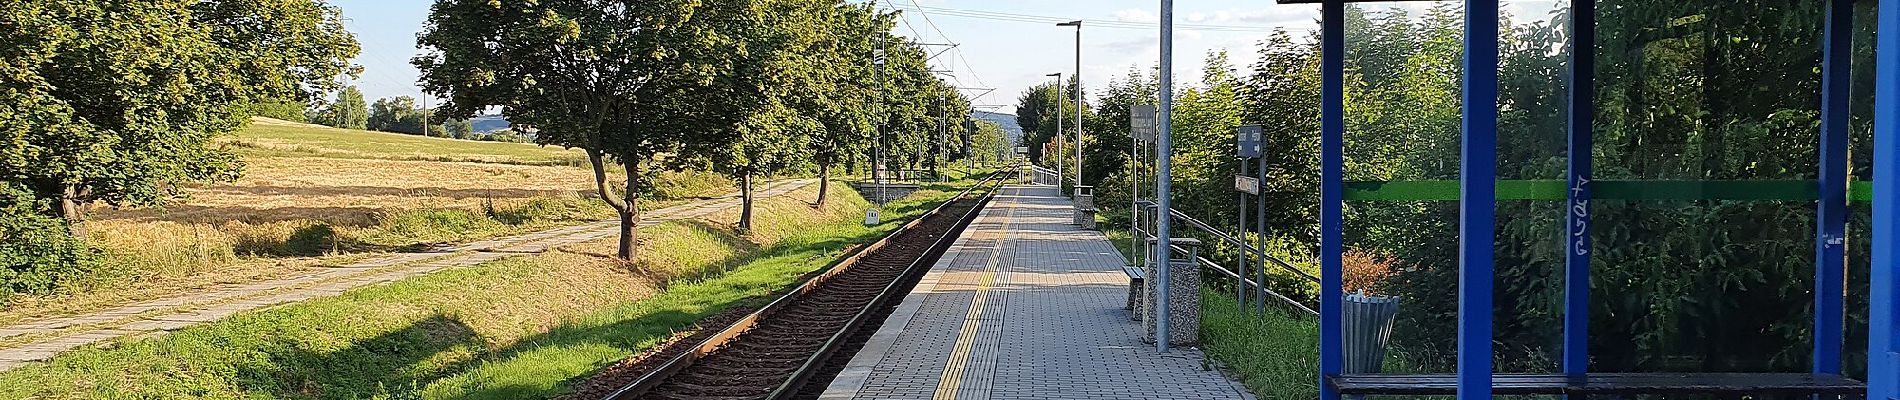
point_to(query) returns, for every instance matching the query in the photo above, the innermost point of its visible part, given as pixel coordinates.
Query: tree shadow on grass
(635, 335)
(529, 356)
(386, 364)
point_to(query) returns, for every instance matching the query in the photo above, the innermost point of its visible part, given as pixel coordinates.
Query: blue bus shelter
(1478, 193)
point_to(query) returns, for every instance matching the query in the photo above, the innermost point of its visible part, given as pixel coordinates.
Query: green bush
(38, 254)
(1288, 283)
(288, 110)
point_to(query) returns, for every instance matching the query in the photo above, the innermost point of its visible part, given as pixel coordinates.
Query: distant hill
(489, 123)
(1008, 121)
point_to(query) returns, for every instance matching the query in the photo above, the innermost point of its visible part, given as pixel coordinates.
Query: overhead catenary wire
(1039, 19)
(957, 52)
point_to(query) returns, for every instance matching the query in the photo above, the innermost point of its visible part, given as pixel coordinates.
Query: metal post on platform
(1078, 98)
(1332, 203)
(1576, 347)
(1260, 232)
(1247, 140)
(1830, 241)
(1135, 134)
(1058, 137)
(1164, 149)
(1883, 353)
(1240, 231)
(1478, 200)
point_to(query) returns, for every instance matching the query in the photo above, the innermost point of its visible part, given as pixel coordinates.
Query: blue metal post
(1583, 18)
(1332, 200)
(1164, 163)
(1830, 241)
(1883, 376)
(1478, 204)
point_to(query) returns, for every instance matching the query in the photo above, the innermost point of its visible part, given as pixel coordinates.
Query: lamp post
(1078, 98)
(1058, 138)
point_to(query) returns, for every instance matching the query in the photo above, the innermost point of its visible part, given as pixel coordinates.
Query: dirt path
(42, 339)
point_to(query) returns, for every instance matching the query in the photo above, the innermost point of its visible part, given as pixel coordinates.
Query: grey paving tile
(1050, 324)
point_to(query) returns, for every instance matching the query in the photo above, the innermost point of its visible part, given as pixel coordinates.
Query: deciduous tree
(348, 111)
(119, 102)
(627, 81)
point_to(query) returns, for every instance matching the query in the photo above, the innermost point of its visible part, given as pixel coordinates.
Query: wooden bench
(1136, 277)
(1608, 384)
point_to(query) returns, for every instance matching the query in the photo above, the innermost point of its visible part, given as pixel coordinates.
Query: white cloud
(1132, 46)
(1137, 15)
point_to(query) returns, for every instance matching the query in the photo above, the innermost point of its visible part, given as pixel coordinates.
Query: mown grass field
(511, 329)
(313, 196)
(290, 139)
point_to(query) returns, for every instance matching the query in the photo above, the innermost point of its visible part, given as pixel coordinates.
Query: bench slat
(1607, 383)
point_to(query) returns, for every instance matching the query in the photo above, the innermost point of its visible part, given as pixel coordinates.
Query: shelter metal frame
(1477, 192)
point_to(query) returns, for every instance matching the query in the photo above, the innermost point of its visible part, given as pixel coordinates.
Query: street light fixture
(1078, 98)
(1058, 137)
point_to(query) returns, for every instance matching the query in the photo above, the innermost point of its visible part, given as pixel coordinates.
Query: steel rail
(892, 291)
(653, 379)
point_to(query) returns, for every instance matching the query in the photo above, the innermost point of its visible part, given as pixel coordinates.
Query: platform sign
(1247, 184)
(1248, 138)
(1141, 123)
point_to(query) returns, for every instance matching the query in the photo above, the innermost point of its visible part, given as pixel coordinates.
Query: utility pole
(871, 216)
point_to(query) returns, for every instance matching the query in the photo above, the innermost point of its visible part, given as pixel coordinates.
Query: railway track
(777, 351)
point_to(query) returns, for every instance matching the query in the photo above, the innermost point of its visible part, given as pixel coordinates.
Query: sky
(1005, 45)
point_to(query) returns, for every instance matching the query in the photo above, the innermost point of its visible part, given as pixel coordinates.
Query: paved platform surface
(1024, 306)
(46, 338)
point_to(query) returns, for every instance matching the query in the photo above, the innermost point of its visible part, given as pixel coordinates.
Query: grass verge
(516, 328)
(1275, 354)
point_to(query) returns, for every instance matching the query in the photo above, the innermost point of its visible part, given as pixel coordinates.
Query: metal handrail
(1223, 236)
(1243, 281)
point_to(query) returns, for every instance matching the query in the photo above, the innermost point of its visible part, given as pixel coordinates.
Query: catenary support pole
(1830, 241)
(1582, 129)
(1883, 376)
(1477, 203)
(1332, 203)
(1164, 150)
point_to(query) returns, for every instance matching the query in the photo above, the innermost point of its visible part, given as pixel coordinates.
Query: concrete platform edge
(850, 381)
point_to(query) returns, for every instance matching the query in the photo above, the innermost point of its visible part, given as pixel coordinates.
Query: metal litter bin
(1367, 324)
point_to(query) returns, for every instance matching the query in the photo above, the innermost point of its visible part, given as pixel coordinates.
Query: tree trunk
(72, 209)
(824, 182)
(745, 198)
(626, 207)
(630, 219)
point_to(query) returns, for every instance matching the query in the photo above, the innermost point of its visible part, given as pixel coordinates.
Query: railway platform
(1025, 305)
